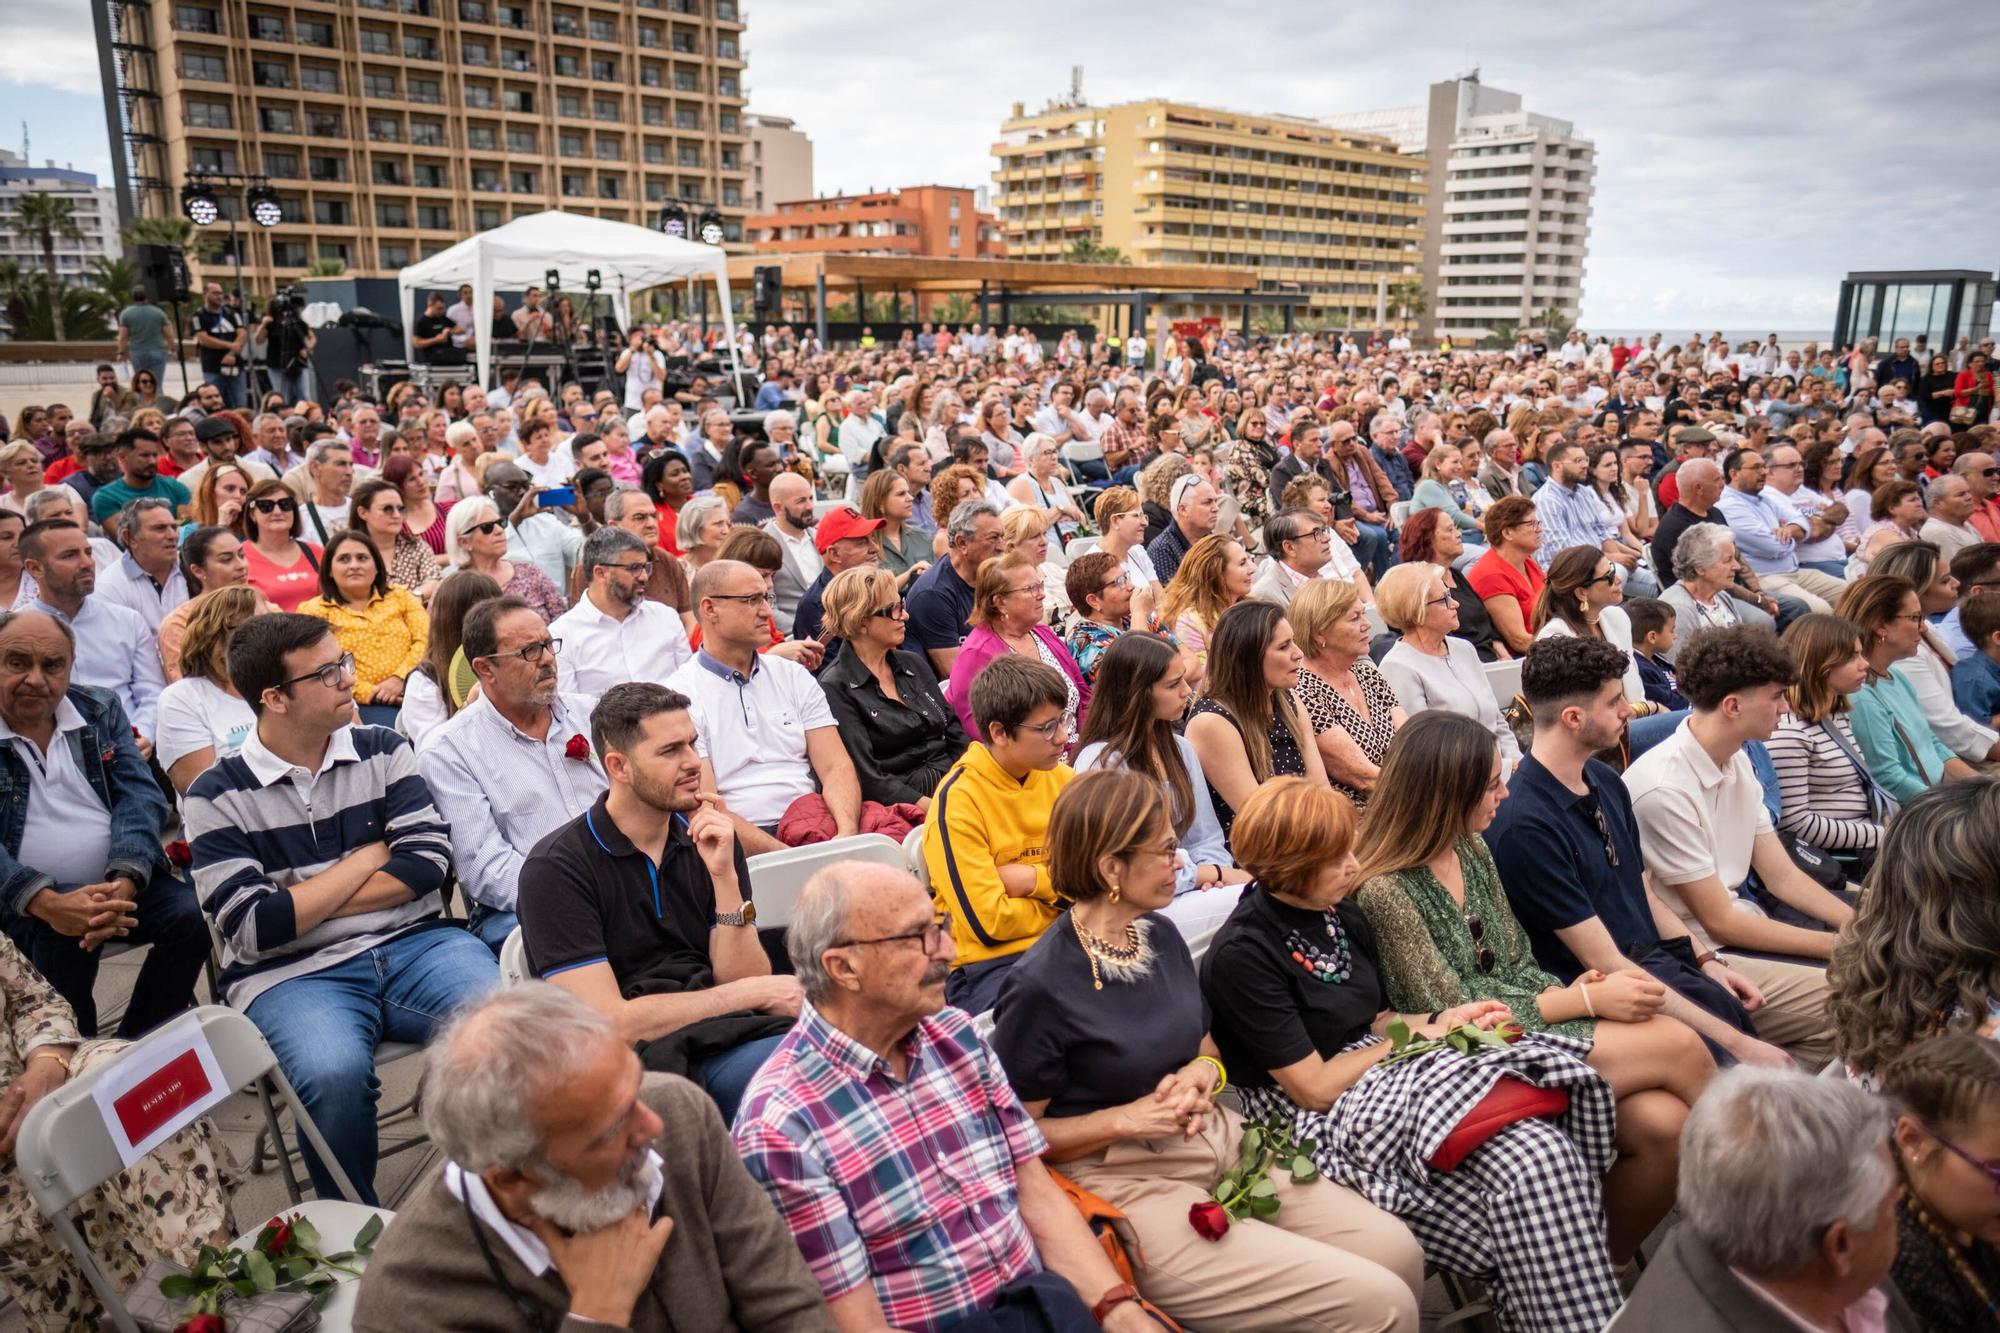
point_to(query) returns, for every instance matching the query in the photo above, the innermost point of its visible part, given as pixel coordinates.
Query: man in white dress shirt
(1769, 531)
(514, 764)
(148, 577)
(614, 634)
(114, 649)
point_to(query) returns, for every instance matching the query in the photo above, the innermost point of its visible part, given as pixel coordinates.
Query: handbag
(1109, 1225)
(1511, 1098)
(1964, 416)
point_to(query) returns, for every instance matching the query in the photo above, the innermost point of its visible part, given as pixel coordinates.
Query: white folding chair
(1376, 625)
(66, 1149)
(1504, 678)
(1400, 511)
(1080, 546)
(514, 959)
(777, 878)
(913, 852)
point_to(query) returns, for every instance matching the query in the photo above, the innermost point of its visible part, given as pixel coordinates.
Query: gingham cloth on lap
(1523, 1213)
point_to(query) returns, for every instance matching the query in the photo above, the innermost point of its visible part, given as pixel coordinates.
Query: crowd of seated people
(1187, 823)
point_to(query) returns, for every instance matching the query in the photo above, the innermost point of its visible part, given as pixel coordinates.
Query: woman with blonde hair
(1027, 531)
(1429, 667)
(1215, 575)
(1448, 937)
(904, 550)
(900, 732)
(1121, 521)
(1294, 981)
(1352, 707)
(201, 716)
(1826, 796)
(1007, 617)
(1103, 1033)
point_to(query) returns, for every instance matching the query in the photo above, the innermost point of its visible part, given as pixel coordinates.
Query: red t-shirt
(1491, 576)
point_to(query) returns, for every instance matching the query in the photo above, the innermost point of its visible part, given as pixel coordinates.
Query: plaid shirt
(1128, 442)
(908, 1183)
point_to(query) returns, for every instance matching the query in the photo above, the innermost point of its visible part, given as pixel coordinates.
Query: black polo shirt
(589, 896)
(939, 602)
(1550, 854)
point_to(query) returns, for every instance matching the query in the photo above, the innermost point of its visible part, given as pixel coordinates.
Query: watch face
(749, 914)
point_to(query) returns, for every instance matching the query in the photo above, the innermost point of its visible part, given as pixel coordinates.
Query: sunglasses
(893, 611)
(275, 506)
(1604, 832)
(1483, 957)
(489, 526)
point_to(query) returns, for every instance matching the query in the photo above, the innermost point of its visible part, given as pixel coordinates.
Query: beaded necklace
(1333, 963)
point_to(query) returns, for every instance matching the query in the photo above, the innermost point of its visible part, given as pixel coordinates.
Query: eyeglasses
(389, 509)
(1121, 581)
(530, 653)
(275, 506)
(893, 611)
(752, 598)
(1604, 832)
(331, 675)
(1311, 535)
(1049, 731)
(1991, 1169)
(1608, 576)
(491, 525)
(932, 935)
(1446, 600)
(1483, 958)
(628, 567)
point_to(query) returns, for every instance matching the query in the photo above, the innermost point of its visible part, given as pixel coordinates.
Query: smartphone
(557, 497)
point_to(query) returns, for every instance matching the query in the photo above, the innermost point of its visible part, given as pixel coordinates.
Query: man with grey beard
(567, 1168)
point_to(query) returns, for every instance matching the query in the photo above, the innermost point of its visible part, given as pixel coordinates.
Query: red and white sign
(147, 1100)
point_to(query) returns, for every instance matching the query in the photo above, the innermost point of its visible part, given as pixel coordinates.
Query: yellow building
(1335, 215)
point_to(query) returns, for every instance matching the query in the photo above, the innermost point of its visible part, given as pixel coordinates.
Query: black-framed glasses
(1604, 832)
(1483, 958)
(1608, 576)
(331, 675)
(1446, 600)
(627, 567)
(1991, 1169)
(275, 506)
(932, 935)
(489, 526)
(893, 611)
(530, 653)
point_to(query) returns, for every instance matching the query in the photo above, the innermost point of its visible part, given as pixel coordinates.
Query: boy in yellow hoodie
(986, 844)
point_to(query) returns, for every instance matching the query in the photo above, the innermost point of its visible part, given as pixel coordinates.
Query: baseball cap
(840, 524)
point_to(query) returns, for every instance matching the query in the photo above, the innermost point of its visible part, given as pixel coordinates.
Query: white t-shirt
(1617, 627)
(556, 472)
(66, 832)
(196, 713)
(753, 733)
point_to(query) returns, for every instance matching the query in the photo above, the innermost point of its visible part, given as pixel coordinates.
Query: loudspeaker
(163, 272)
(767, 288)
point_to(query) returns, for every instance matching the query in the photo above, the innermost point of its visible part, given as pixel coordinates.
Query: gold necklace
(1095, 948)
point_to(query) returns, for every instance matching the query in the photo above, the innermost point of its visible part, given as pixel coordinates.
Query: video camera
(287, 302)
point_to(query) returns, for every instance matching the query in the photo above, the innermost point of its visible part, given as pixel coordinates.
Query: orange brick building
(933, 221)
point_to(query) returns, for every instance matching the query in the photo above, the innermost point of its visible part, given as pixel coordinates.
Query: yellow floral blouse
(388, 639)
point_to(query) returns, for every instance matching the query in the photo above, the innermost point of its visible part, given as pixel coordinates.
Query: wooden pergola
(998, 284)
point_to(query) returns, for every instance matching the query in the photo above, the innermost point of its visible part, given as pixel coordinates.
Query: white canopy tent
(519, 255)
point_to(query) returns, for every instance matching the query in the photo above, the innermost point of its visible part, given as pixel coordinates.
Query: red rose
(1511, 1032)
(1209, 1219)
(204, 1323)
(179, 854)
(281, 1235)
(578, 748)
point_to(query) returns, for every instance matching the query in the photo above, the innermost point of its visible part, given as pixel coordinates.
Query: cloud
(53, 44)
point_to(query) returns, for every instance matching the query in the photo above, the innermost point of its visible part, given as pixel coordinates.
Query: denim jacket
(121, 779)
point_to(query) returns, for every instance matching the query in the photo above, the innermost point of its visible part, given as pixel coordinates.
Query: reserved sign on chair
(146, 1101)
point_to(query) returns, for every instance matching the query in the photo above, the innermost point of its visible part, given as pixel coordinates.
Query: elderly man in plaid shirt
(888, 1138)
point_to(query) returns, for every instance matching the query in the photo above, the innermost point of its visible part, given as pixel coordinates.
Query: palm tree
(326, 268)
(113, 279)
(199, 246)
(1501, 333)
(1083, 250)
(41, 217)
(1556, 322)
(1408, 298)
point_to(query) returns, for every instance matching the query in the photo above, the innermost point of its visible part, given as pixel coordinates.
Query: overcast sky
(1749, 154)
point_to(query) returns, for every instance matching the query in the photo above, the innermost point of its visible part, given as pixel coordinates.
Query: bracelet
(1221, 1074)
(1583, 989)
(48, 1053)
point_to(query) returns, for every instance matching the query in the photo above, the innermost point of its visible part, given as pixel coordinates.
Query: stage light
(711, 228)
(265, 210)
(673, 220)
(552, 280)
(199, 204)
(593, 280)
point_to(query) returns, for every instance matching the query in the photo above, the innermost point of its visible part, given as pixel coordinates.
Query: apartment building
(935, 221)
(1509, 230)
(91, 206)
(781, 161)
(1333, 215)
(391, 129)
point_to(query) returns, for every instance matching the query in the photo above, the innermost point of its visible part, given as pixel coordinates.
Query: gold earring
(1114, 893)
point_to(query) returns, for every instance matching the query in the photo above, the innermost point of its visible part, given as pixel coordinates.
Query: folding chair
(777, 878)
(514, 960)
(1504, 678)
(913, 852)
(66, 1150)
(1080, 546)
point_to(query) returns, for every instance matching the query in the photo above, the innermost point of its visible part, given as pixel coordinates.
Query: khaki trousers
(1818, 591)
(1327, 1260)
(1794, 1015)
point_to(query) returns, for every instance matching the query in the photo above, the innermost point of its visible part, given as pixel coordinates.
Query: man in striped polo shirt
(320, 859)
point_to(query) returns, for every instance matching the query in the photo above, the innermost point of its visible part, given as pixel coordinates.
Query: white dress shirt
(115, 651)
(501, 791)
(132, 587)
(598, 651)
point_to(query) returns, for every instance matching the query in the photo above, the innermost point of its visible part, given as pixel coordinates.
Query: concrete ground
(262, 1195)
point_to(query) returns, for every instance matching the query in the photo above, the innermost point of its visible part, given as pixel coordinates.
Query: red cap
(840, 524)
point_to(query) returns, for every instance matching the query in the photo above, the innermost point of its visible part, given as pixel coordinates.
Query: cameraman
(288, 345)
(642, 366)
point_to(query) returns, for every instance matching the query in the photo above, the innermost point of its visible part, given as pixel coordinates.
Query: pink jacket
(982, 646)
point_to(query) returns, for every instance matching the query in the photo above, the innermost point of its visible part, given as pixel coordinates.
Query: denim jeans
(169, 920)
(490, 924)
(727, 1076)
(1643, 733)
(1831, 568)
(325, 1027)
(1641, 583)
(1372, 550)
(153, 361)
(289, 385)
(230, 385)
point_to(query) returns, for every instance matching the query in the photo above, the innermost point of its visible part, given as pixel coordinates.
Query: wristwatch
(746, 917)
(1118, 1295)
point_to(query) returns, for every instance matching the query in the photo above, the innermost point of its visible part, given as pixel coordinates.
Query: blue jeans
(169, 920)
(379, 715)
(1372, 549)
(324, 1028)
(1643, 733)
(1767, 776)
(1640, 582)
(231, 386)
(727, 1076)
(153, 361)
(1831, 568)
(491, 925)
(289, 385)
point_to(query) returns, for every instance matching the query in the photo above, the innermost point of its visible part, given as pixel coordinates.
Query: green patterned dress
(1429, 961)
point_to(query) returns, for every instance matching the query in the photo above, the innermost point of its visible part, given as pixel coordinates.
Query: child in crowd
(1653, 638)
(1975, 682)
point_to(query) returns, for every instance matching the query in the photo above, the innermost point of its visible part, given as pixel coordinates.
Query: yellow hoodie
(983, 818)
